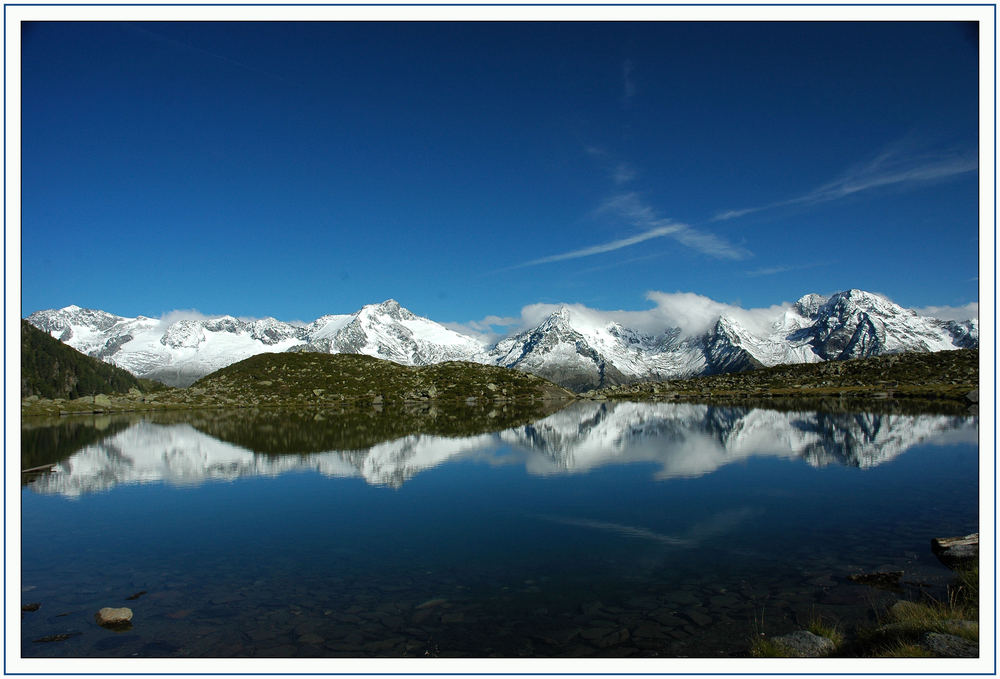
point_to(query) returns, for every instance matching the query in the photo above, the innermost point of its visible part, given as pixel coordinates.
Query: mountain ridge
(569, 347)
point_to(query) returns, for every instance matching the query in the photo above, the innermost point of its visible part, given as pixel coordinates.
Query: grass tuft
(763, 647)
(821, 628)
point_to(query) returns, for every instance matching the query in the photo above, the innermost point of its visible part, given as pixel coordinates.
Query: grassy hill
(51, 369)
(325, 381)
(938, 381)
(942, 378)
(315, 379)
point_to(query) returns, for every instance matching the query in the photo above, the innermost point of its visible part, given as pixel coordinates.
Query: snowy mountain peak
(809, 305)
(560, 318)
(390, 308)
(854, 301)
(730, 327)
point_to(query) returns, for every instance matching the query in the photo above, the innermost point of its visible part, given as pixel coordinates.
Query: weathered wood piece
(41, 468)
(958, 552)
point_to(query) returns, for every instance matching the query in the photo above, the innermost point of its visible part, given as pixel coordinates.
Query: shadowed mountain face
(572, 348)
(680, 440)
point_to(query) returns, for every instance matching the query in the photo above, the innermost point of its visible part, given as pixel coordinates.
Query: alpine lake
(603, 529)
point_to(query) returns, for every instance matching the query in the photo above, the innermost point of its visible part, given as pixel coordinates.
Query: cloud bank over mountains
(691, 312)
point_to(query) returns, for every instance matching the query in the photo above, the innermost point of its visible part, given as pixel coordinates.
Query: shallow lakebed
(604, 529)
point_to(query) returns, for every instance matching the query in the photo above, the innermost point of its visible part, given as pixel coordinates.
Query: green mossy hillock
(317, 379)
(322, 381)
(937, 381)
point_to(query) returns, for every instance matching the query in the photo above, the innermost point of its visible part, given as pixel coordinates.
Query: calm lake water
(605, 529)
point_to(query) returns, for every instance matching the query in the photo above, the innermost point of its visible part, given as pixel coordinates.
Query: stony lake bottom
(601, 530)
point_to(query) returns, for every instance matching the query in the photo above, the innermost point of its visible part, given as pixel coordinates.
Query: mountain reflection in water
(683, 440)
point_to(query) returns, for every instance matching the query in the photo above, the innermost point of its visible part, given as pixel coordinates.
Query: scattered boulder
(114, 617)
(957, 553)
(804, 644)
(30, 607)
(949, 646)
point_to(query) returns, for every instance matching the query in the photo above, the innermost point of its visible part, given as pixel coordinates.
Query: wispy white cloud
(175, 315)
(896, 166)
(628, 83)
(632, 209)
(642, 215)
(772, 270)
(623, 173)
(169, 317)
(951, 313)
(487, 330)
(611, 246)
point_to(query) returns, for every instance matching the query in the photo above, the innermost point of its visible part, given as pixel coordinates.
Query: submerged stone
(114, 617)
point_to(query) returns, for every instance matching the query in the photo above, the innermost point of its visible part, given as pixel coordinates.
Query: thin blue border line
(494, 4)
(4, 42)
(501, 674)
(491, 674)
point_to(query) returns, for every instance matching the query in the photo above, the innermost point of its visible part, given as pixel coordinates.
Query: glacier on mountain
(572, 346)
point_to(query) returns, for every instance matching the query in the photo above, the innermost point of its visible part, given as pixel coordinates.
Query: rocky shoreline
(697, 617)
(927, 628)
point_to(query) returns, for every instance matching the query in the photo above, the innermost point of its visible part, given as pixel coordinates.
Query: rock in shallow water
(114, 617)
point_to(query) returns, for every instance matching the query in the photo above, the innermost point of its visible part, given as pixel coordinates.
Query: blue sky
(472, 169)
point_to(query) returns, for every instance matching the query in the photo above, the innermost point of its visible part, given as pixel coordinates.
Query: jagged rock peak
(851, 300)
(390, 308)
(809, 305)
(562, 313)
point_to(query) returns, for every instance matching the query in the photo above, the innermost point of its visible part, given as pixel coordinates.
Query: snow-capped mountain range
(568, 347)
(682, 440)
